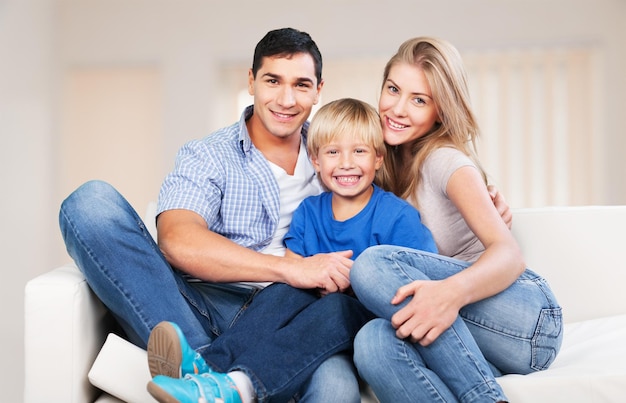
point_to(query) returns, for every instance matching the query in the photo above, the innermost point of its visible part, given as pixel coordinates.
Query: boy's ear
(315, 162)
(379, 161)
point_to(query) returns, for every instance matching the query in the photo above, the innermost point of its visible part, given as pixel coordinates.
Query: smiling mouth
(395, 125)
(347, 180)
(283, 116)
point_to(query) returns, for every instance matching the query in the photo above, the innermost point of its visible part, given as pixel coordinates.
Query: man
(222, 214)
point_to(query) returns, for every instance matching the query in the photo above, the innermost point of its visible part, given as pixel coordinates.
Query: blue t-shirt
(385, 220)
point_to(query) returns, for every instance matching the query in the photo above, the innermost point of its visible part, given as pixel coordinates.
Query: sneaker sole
(164, 353)
(159, 394)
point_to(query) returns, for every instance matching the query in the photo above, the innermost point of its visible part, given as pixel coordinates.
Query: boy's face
(347, 167)
(285, 90)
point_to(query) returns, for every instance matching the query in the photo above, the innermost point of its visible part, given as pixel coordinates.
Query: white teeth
(395, 125)
(280, 115)
(347, 179)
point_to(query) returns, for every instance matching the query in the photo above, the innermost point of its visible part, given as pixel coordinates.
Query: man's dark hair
(287, 42)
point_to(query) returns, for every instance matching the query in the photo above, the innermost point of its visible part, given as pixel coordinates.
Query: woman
(448, 324)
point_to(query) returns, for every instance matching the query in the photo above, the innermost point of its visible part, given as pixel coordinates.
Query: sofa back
(580, 251)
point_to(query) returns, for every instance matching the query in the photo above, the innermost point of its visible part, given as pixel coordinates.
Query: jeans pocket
(547, 339)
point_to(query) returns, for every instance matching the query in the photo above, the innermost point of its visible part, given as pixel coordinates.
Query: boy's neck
(345, 208)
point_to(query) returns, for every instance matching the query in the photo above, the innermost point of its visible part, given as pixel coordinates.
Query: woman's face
(406, 107)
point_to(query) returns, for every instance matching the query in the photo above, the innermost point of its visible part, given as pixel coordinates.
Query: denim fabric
(335, 380)
(278, 336)
(516, 331)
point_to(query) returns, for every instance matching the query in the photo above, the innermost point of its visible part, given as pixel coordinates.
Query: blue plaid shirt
(225, 179)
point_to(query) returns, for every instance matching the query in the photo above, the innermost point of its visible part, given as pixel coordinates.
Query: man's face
(285, 90)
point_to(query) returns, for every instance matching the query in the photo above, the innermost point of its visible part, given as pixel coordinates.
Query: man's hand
(328, 272)
(503, 208)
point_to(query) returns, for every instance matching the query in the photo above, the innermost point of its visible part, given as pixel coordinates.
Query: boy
(346, 147)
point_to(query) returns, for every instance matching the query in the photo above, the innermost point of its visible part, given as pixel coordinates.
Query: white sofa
(71, 357)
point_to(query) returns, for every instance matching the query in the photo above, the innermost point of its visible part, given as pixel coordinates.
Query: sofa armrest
(65, 327)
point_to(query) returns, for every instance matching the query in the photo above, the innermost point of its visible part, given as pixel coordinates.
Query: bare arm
(436, 304)
(190, 246)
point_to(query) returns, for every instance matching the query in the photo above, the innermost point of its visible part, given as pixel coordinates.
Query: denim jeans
(278, 336)
(518, 330)
(336, 380)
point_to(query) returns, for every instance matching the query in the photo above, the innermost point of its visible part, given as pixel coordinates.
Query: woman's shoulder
(447, 158)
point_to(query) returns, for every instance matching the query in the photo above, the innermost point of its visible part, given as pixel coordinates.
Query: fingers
(330, 271)
(414, 331)
(402, 293)
(501, 205)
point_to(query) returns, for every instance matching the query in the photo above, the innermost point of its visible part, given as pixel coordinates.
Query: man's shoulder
(222, 140)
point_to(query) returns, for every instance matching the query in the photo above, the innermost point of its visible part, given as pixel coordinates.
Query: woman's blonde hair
(443, 68)
(345, 117)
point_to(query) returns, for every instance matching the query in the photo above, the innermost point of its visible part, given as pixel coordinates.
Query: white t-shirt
(293, 189)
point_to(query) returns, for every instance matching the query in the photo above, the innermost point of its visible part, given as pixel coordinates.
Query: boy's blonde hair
(346, 117)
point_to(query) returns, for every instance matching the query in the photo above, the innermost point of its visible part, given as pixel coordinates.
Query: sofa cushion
(590, 367)
(579, 250)
(121, 370)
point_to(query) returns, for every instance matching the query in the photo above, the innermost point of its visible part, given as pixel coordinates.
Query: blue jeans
(518, 331)
(336, 380)
(279, 336)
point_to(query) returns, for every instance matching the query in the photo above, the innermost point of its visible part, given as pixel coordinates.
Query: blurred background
(110, 89)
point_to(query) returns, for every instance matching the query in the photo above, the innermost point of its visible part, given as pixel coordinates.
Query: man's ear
(250, 82)
(319, 92)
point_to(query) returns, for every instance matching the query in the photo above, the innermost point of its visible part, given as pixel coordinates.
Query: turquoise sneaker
(210, 387)
(170, 354)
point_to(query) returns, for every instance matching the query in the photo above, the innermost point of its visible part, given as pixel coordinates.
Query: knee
(86, 195)
(93, 205)
(367, 268)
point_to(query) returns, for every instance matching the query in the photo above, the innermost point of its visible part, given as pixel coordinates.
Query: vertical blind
(538, 110)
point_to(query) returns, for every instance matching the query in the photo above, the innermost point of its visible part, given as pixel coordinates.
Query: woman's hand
(431, 310)
(501, 205)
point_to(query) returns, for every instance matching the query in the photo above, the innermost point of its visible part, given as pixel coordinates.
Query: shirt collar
(244, 136)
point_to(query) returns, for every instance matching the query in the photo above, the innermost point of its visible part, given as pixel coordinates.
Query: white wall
(27, 213)
(190, 41)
